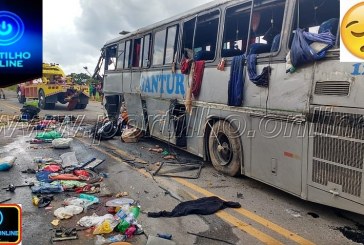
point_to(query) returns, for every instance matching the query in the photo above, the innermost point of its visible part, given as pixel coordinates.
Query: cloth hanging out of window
(197, 77)
(261, 80)
(303, 50)
(202, 206)
(236, 82)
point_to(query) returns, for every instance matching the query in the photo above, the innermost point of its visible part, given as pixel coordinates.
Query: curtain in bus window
(261, 80)
(197, 77)
(236, 82)
(306, 46)
(127, 62)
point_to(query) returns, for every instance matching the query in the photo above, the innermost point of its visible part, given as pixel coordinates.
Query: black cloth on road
(204, 206)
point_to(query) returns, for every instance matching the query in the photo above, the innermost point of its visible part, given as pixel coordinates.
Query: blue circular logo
(11, 28)
(1, 218)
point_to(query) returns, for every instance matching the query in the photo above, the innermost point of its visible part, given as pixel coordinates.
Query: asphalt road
(267, 215)
(10, 107)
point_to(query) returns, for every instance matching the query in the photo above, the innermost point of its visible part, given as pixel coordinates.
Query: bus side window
(158, 47)
(316, 16)
(171, 44)
(121, 54)
(201, 44)
(111, 57)
(187, 38)
(146, 51)
(236, 30)
(205, 39)
(127, 62)
(266, 27)
(136, 52)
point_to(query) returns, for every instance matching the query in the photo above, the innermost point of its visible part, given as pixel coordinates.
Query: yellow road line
(10, 106)
(244, 226)
(221, 214)
(270, 225)
(274, 227)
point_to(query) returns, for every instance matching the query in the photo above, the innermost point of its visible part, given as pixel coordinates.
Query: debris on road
(7, 163)
(203, 206)
(62, 143)
(131, 135)
(210, 238)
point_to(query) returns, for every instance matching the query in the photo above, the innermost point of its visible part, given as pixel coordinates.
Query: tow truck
(54, 87)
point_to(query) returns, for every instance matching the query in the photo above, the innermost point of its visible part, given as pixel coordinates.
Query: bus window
(141, 52)
(316, 16)
(236, 30)
(187, 38)
(206, 36)
(266, 27)
(121, 54)
(136, 52)
(171, 44)
(146, 51)
(202, 42)
(111, 57)
(158, 48)
(127, 62)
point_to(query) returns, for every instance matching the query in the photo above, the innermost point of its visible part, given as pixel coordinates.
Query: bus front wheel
(225, 148)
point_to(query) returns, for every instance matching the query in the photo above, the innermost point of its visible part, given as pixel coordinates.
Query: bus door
(131, 83)
(113, 77)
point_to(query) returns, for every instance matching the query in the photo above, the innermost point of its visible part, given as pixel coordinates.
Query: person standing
(2, 93)
(93, 91)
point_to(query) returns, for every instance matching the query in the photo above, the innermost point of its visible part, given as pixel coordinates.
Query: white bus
(190, 80)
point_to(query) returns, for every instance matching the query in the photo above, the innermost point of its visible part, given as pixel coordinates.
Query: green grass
(12, 88)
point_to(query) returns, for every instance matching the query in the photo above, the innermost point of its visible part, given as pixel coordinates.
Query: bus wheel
(42, 99)
(225, 148)
(50, 106)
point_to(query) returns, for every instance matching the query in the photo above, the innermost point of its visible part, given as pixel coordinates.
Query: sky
(74, 31)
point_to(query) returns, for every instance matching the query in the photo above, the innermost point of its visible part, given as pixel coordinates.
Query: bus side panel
(214, 86)
(343, 81)
(127, 82)
(158, 119)
(113, 83)
(150, 84)
(134, 105)
(278, 164)
(135, 81)
(287, 92)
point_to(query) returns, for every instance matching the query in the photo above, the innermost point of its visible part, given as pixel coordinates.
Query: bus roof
(198, 9)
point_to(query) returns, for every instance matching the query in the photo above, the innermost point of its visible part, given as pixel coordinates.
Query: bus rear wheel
(225, 148)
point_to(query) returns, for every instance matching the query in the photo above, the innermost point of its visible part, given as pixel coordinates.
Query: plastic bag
(103, 228)
(7, 163)
(69, 159)
(67, 212)
(100, 240)
(83, 203)
(48, 135)
(94, 220)
(62, 143)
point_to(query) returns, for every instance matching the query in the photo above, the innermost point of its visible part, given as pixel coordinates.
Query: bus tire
(42, 100)
(81, 106)
(50, 106)
(226, 157)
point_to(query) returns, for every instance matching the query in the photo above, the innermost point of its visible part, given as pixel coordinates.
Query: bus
(226, 82)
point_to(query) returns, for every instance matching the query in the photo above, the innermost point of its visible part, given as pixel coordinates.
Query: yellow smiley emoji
(352, 30)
